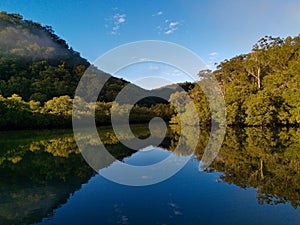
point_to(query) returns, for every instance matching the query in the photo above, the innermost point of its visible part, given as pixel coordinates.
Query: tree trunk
(262, 169)
(258, 78)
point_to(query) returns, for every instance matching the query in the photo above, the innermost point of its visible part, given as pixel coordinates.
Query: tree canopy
(261, 88)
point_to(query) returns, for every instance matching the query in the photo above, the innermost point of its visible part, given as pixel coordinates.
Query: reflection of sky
(147, 156)
(190, 198)
(151, 75)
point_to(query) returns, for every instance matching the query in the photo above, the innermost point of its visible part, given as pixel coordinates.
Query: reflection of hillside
(189, 137)
(27, 203)
(39, 174)
(40, 170)
(268, 160)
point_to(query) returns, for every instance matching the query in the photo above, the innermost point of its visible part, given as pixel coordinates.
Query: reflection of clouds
(177, 213)
(175, 208)
(121, 219)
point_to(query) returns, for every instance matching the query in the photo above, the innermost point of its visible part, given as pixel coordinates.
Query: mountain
(38, 65)
(172, 88)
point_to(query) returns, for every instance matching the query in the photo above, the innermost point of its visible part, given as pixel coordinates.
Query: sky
(214, 29)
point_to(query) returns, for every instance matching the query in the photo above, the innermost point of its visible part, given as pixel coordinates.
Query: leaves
(262, 88)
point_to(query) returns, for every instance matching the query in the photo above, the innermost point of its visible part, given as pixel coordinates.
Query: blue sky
(213, 29)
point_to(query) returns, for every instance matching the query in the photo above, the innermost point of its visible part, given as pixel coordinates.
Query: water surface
(254, 180)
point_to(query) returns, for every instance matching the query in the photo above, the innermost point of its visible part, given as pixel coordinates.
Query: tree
(261, 109)
(61, 106)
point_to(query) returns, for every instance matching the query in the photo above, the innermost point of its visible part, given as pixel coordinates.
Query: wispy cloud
(118, 20)
(213, 56)
(115, 22)
(173, 24)
(177, 73)
(139, 59)
(154, 68)
(173, 73)
(175, 208)
(171, 27)
(159, 13)
(166, 26)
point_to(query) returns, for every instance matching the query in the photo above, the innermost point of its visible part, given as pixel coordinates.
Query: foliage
(263, 158)
(261, 88)
(57, 112)
(38, 65)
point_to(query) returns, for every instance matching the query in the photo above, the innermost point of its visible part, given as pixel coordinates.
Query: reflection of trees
(30, 203)
(189, 137)
(39, 174)
(266, 159)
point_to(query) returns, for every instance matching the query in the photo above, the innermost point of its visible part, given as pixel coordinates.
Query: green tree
(61, 106)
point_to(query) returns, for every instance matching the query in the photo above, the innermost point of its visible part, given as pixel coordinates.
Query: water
(254, 180)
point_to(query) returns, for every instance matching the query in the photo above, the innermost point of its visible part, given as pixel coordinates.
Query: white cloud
(167, 26)
(212, 60)
(115, 23)
(171, 28)
(121, 20)
(213, 54)
(170, 31)
(173, 73)
(159, 13)
(173, 24)
(153, 68)
(139, 59)
(177, 73)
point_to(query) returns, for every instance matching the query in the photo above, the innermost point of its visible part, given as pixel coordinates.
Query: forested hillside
(261, 88)
(38, 65)
(39, 74)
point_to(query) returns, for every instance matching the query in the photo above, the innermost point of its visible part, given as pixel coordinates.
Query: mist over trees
(38, 65)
